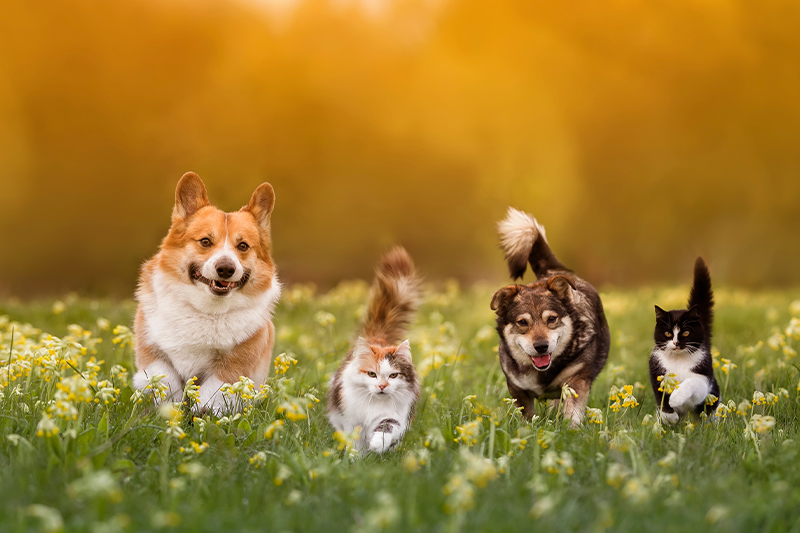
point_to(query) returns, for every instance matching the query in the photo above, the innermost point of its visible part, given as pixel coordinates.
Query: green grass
(469, 463)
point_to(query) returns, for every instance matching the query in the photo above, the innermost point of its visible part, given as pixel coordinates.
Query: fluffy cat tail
(394, 298)
(702, 296)
(524, 241)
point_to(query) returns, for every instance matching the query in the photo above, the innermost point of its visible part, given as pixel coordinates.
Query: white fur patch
(693, 387)
(191, 326)
(364, 406)
(518, 231)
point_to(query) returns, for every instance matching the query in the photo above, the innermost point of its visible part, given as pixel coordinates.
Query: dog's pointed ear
(190, 196)
(502, 296)
(561, 285)
(261, 204)
(404, 350)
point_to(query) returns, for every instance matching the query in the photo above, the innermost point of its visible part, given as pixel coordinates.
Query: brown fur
(194, 219)
(524, 315)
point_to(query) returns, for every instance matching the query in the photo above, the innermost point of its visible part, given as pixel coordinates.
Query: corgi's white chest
(193, 328)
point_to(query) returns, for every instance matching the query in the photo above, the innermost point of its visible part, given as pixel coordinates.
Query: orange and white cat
(206, 298)
(376, 387)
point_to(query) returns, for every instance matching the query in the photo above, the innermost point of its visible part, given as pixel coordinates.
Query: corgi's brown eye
(205, 242)
(243, 246)
(372, 374)
(668, 334)
(393, 375)
(685, 333)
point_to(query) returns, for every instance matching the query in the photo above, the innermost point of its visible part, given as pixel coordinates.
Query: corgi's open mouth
(541, 362)
(219, 287)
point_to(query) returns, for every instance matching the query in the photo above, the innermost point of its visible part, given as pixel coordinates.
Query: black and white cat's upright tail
(702, 297)
(524, 241)
(394, 298)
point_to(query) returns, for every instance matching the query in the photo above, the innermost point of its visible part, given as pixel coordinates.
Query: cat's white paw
(669, 418)
(380, 442)
(689, 394)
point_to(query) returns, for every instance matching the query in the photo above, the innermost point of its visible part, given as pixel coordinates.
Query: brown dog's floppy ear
(501, 295)
(561, 285)
(261, 204)
(190, 196)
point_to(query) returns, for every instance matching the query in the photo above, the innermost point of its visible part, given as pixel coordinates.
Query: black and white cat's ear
(362, 348)
(662, 315)
(694, 312)
(404, 350)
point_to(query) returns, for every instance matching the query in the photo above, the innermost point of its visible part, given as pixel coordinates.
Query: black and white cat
(683, 347)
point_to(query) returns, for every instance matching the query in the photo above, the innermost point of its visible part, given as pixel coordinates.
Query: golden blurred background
(641, 133)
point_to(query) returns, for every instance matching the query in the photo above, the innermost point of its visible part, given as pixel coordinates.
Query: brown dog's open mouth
(219, 287)
(541, 362)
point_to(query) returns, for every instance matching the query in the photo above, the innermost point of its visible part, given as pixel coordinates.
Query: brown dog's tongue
(541, 361)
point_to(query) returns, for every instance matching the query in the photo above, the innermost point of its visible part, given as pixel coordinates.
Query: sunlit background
(641, 133)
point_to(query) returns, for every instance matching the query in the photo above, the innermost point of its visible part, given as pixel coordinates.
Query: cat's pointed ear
(694, 311)
(561, 285)
(503, 296)
(404, 350)
(190, 196)
(362, 348)
(662, 315)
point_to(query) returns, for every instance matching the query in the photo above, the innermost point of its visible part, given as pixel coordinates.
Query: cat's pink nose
(383, 385)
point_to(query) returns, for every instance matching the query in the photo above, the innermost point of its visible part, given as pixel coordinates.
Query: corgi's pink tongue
(541, 361)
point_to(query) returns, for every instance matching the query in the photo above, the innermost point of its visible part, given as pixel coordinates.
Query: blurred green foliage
(641, 134)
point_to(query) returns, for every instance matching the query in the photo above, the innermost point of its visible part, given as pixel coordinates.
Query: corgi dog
(206, 298)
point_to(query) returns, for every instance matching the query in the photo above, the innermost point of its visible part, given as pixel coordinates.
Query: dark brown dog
(553, 332)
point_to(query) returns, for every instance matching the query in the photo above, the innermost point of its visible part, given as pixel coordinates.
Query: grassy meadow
(81, 451)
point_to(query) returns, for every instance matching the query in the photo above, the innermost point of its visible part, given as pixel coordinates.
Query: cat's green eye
(372, 374)
(394, 375)
(668, 334)
(685, 333)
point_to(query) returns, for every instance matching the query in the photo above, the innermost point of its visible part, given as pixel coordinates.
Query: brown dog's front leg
(574, 408)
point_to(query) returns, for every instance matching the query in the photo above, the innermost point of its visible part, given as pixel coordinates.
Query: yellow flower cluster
(471, 472)
(275, 427)
(623, 397)
(555, 463)
(669, 382)
(283, 362)
(469, 432)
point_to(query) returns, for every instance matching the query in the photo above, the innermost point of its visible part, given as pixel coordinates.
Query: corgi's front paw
(214, 400)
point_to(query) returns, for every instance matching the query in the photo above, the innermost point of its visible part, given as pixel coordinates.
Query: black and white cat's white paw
(689, 394)
(669, 418)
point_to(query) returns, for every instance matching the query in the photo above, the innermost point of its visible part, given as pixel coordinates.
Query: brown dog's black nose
(225, 268)
(541, 346)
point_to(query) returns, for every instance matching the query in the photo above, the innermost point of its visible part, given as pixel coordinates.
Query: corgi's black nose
(225, 268)
(541, 346)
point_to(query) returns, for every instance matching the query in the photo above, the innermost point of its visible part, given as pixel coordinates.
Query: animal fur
(206, 298)
(553, 332)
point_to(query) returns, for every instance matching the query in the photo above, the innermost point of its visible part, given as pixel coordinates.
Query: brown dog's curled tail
(395, 295)
(524, 241)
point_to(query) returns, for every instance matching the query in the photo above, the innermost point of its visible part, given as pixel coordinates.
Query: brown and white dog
(206, 298)
(553, 332)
